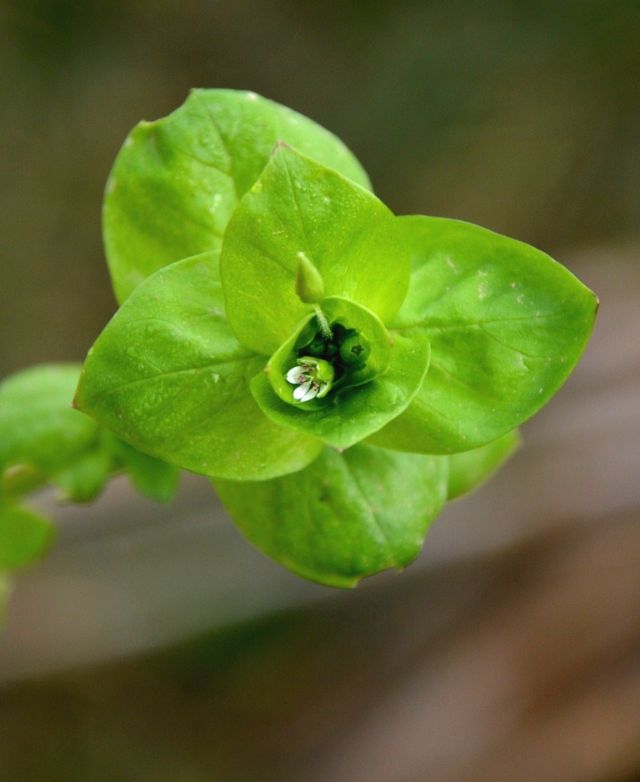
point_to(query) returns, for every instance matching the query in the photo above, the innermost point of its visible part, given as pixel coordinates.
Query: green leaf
(168, 376)
(507, 324)
(43, 439)
(470, 469)
(152, 477)
(38, 426)
(84, 478)
(176, 181)
(355, 413)
(347, 515)
(299, 206)
(24, 536)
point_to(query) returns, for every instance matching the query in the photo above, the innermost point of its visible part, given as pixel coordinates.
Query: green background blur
(520, 115)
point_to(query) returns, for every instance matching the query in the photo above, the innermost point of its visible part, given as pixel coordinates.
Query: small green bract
(279, 325)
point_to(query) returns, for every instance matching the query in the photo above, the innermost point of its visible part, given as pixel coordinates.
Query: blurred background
(154, 644)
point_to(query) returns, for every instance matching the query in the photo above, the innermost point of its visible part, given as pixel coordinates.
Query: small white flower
(313, 376)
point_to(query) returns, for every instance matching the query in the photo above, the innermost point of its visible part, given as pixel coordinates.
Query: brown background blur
(154, 644)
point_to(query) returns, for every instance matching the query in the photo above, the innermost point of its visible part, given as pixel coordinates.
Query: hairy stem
(322, 320)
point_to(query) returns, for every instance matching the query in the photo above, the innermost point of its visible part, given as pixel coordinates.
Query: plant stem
(322, 320)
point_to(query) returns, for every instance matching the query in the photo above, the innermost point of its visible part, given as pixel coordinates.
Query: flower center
(313, 376)
(327, 360)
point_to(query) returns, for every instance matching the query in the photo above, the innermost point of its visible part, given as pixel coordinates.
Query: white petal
(295, 375)
(311, 393)
(303, 390)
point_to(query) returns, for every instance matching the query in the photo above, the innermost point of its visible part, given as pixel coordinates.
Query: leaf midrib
(170, 373)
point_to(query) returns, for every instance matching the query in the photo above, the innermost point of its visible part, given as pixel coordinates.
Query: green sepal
(177, 180)
(24, 536)
(168, 376)
(356, 412)
(507, 324)
(299, 206)
(468, 470)
(345, 516)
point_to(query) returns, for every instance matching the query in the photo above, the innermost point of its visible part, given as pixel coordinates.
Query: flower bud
(309, 282)
(354, 350)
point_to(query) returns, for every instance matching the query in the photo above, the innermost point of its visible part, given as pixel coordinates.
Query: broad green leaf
(176, 181)
(356, 413)
(38, 426)
(347, 515)
(168, 376)
(300, 207)
(24, 536)
(470, 469)
(507, 324)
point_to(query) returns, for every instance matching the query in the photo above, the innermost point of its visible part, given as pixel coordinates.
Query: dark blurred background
(154, 644)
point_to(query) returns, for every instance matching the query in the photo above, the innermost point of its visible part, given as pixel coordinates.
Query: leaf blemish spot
(451, 265)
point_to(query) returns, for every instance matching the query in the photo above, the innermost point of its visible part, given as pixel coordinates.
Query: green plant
(279, 325)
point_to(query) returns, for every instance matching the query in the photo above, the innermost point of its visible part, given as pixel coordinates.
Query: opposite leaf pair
(309, 319)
